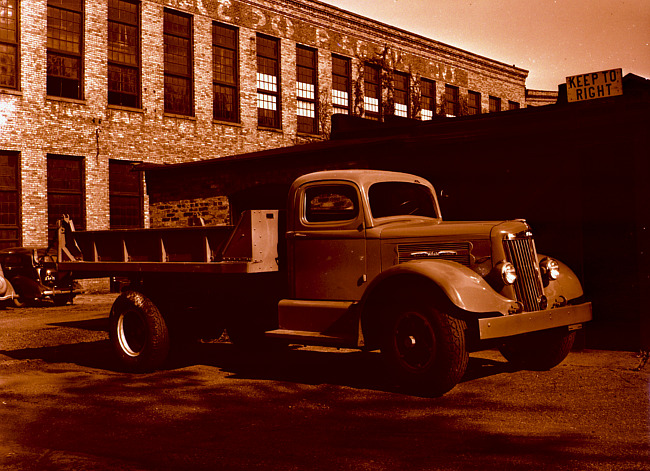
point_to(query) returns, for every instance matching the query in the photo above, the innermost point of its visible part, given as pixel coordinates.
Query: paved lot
(65, 405)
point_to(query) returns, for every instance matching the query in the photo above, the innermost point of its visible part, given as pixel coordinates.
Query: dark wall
(576, 172)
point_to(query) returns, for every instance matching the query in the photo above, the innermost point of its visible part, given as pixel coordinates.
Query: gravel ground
(64, 404)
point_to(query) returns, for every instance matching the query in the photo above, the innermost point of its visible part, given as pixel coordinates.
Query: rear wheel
(539, 350)
(424, 347)
(138, 332)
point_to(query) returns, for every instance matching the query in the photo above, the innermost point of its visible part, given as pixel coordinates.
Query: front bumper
(515, 324)
(50, 293)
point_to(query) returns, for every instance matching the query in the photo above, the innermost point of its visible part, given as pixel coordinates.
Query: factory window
(225, 73)
(513, 105)
(65, 188)
(123, 53)
(495, 104)
(125, 195)
(401, 94)
(9, 44)
(428, 100)
(473, 103)
(64, 48)
(341, 84)
(307, 90)
(9, 200)
(452, 104)
(372, 92)
(178, 63)
(268, 82)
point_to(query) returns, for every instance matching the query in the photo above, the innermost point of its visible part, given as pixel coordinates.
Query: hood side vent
(453, 251)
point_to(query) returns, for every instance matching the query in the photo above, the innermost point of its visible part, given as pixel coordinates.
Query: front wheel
(424, 348)
(138, 332)
(539, 350)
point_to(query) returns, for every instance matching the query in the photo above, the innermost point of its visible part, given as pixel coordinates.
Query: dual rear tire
(138, 332)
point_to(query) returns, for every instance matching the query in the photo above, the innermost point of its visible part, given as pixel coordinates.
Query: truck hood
(422, 228)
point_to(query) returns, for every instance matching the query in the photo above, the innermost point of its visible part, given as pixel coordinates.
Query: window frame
(337, 78)
(452, 101)
(15, 44)
(12, 158)
(271, 93)
(404, 92)
(120, 193)
(79, 193)
(369, 83)
(59, 81)
(307, 125)
(345, 187)
(116, 98)
(513, 105)
(169, 35)
(495, 104)
(427, 97)
(223, 83)
(473, 108)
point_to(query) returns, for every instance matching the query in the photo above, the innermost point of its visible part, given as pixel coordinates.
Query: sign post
(594, 85)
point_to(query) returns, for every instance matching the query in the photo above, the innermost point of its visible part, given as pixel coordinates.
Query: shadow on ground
(361, 370)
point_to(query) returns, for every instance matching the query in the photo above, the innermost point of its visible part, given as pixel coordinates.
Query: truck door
(328, 245)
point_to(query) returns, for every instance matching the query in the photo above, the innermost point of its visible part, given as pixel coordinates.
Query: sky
(552, 39)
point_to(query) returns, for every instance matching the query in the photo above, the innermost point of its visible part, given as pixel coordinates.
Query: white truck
(360, 259)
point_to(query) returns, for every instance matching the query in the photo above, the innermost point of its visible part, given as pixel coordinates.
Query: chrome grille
(453, 251)
(528, 287)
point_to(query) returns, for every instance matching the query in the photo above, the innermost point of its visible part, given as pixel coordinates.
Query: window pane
(125, 189)
(178, 64)
(268, 111)
(401, 94)
(123, 54)
(178, 95)
(372, 92)
(341, 84)
(8, 66)
(225, 103)
(64, 191)
(331, 203)
(9, 200)
(474, 103)
(400, 199)
(451, 100)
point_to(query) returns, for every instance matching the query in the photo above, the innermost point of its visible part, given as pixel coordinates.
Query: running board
(312, 338)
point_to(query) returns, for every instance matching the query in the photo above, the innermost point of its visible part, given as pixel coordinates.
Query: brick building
(89, 86)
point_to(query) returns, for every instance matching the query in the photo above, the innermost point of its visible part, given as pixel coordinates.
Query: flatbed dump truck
(359, 259)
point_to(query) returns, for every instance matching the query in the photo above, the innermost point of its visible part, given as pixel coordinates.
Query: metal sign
(595, 85)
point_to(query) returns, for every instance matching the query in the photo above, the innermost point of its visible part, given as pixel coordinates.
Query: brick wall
(36, 125)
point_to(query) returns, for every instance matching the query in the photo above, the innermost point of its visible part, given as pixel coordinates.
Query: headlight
(49, 277)
(550, 268)
(508, 272)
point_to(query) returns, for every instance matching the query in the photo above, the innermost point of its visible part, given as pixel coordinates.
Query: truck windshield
(401, 199)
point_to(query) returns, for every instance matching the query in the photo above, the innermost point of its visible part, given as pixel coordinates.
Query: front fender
(26, 287)
(567, 285)
(6, 289)
(465, 288)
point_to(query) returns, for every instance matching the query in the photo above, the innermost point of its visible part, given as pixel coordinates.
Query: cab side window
(331, 203)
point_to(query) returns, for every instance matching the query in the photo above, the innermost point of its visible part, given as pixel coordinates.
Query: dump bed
(249, 247)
